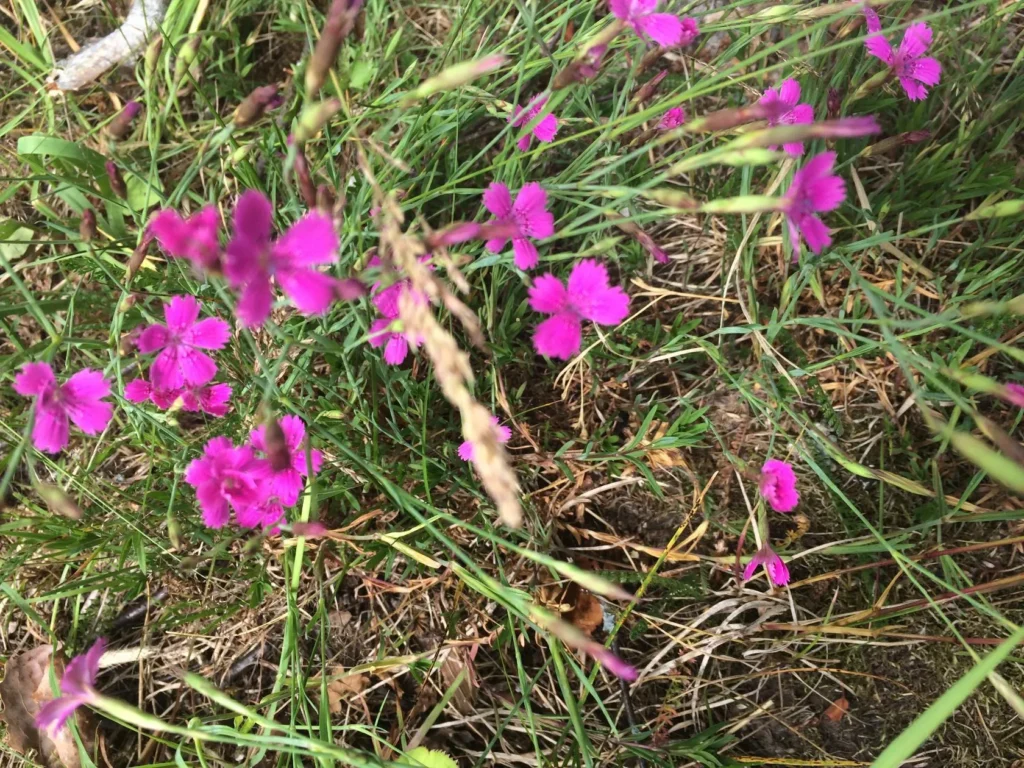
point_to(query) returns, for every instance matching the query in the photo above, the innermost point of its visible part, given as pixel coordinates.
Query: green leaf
(50, 146)
(1006, 471)
(361, 75)
(431, 758)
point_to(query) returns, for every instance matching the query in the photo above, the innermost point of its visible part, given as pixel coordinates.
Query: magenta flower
(504, 435)
(225, 478)
(386, 299)
(663, 28)
(784, 110)
(395, 343)
(590, 64)
(673, 118)
(1014, 394)
(207, 398)
(528, 214)
(544, 131)
(180, 362)
(286, 484)
(777, 570)
(588, 297)
(194, 238)
(778, 485)
(79, 399)
(815, 189)
(254, 262)
(916, 72)
(267, 514)
(77, 686)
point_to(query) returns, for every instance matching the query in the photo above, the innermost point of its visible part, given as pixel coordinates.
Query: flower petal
(916, 40)
(380, 332)
(165, 372)
(255, 302)
(137, 391)
(789, 92)
(180, 313)
(152, 339)
(546, 129)
(81, 394)
(879, 47)
(815, 233)
(50, 430)
(209, 333)
(197, 368)
(548, 295)
(396, 350)
(55, 713)
(466, 451)
(254, 217)
(927, 71)
(526, 255)
(312, 292)
(560, 336)
(663, 28)
(34, 379)
(309, 241)
(498, 200)
(592, 297)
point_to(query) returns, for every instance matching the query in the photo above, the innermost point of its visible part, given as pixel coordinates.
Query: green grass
(869, 367)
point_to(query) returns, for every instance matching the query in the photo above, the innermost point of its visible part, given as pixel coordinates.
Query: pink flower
(663, 28)
(79, 399)
(590, 64)
(777, 570)
(778, 485)
(395, 343)
(1014, 393)
(386, 299)
(286, 483)
(612, 663)
(225, 478)
(180, 362)
(504, 434)
(588, 297)
(528, 214)
(309, 530)
(914, 70)
(544, 130)
(207, 398)
(194, 238)
(266, 514)
(784, 110)
(77, 686)
(254, 262)
(673, 118)
(815, 189)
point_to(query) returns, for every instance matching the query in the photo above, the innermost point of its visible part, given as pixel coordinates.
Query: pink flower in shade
(77, 687)
(226, 478)
(395, 343)
(663, 28)
(778, 485)
(266, 514)
(207, 398)
(79, 399)
(180, 362)
(528, 214)
(588, 297)
(544, 131)
(253, 262)
(386, 299)
(504, 435)
(194, 238)
(916, 72)
(815, 189)
(286, 484)
(784, 110)
(673, 118)
(1014, 394)
(590, 64)
(777, 570)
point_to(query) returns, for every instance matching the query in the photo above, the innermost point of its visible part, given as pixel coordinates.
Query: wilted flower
(253, 262)
(673, 118)
(528, 214)
(255, 105)
(543, 131)
(77, 687)
(79, 400)
(87, 226)
(504, 434)
(194, 238)
(121, 125)
(341, 18)
(815, 189)
(663, 28)
(915, 70)
(181, 362)
(777, 570)
(778, 485)
(588, 297)
(226, 477)
(784, 110)
(286, 483)
(117, 185)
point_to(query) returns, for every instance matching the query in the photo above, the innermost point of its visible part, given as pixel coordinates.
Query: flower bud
(255, 105)
(835, 103)
(308, 530)
(341, 19)
(459, 232)
(457, 76)
(648, 89)
(304, 180)
(277, 446)
(117, 185)
(58, 501)
(325, 199)
(314, 118)
(87, 226)
(121, 125)
(895, 142)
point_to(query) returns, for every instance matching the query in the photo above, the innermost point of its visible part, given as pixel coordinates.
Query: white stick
(122, 44)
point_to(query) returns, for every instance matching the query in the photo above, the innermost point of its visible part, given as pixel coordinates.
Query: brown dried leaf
(457, 660)
(587, 614)
(837, 709)
(342, 687)
(24, 690)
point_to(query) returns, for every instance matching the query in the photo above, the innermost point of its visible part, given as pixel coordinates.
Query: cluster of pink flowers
(777, 485)
(256, 481)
